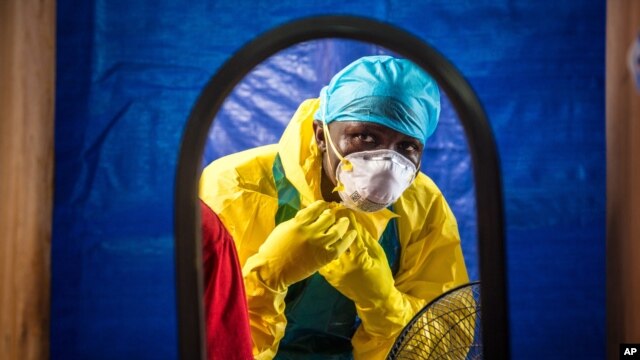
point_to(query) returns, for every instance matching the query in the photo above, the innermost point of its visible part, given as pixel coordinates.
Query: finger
(312, 211)
(335, 231)
(331, 240)
(346, 242)
(373, 247)
(342, 211)
(358, 246)
(323, 222)
(330, 268)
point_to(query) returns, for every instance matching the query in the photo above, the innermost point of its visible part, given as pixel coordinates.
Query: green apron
(320, 320)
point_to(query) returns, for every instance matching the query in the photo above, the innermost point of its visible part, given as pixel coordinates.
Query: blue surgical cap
(395, 93)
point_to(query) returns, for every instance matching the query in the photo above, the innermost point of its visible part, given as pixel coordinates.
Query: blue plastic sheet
(128, 74)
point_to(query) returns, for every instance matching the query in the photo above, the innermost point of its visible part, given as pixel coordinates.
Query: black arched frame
(482, 147)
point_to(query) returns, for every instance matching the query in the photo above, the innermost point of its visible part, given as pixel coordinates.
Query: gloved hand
(297, 248)
(362, 274)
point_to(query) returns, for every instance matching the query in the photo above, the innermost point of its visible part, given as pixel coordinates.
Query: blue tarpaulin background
(128, 74)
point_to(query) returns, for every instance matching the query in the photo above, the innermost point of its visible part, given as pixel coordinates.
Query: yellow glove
(297, 248)
(363, 275)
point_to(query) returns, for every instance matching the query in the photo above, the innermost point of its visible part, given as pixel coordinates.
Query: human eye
(365, 138)
(409, 147)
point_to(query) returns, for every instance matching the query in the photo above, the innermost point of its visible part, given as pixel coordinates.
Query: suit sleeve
(431, 263)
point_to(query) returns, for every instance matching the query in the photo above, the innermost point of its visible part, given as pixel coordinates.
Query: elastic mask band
(346, 164)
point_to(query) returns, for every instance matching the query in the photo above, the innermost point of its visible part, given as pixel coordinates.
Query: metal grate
(448, 328)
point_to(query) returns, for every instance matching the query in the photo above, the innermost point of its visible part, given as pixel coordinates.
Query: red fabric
(227, 319)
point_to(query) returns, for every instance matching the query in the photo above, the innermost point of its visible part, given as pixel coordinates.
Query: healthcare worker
(340, 237)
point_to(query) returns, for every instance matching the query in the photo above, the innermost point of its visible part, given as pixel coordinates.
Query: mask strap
(346, 164)
(415, 175)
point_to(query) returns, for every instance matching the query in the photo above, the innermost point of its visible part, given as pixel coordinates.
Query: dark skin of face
(355, 136)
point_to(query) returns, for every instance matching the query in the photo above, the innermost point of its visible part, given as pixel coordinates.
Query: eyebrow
(378, 129)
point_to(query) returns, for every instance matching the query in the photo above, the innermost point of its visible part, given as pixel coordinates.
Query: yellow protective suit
(240, 188)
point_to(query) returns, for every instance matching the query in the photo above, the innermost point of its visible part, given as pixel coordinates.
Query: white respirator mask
(371, 180)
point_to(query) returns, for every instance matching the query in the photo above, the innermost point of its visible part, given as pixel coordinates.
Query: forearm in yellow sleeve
(382, 323)
(266, 315)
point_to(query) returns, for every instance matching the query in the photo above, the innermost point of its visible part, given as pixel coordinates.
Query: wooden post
(27, 70)
(623, 179)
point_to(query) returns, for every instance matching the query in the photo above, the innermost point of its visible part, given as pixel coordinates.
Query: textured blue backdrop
(129, 73)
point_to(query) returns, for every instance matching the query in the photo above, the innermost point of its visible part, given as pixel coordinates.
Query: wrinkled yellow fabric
(240, 188)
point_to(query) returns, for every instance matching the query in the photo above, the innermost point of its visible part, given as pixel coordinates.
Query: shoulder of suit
(253, 163)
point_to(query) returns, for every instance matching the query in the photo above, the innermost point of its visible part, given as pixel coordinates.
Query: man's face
(355, 136)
